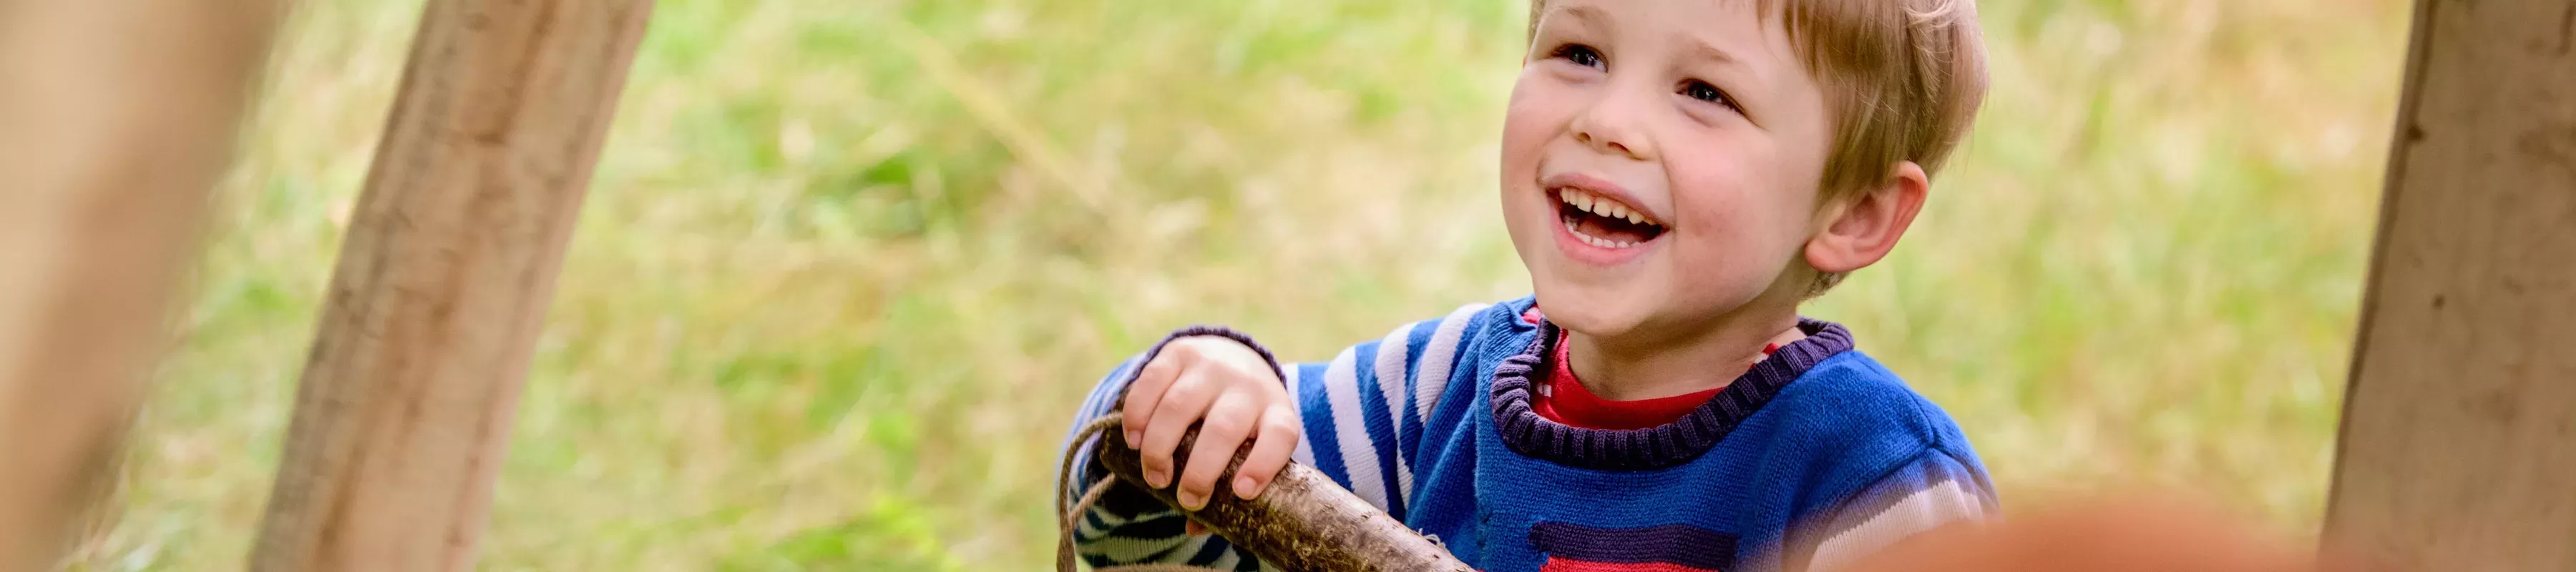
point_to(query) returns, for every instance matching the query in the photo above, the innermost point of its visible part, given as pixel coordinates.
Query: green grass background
(847, 265)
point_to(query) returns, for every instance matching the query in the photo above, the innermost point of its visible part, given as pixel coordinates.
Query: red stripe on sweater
(1555, 564)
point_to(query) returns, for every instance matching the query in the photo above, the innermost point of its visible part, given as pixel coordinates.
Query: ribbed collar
(1667, 445)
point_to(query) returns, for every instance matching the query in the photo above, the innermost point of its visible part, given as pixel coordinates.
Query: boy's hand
(1235, 391)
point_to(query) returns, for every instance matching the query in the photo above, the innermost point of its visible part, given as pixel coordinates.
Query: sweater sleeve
(1933, 490)
(1362, 413)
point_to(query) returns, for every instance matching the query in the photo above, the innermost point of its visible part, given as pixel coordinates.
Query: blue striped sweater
(1815, 457)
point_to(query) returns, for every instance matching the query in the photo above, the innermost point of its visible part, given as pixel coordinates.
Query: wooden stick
(1301, 522)
(117, 117)
(2458, 449)
(406, 403)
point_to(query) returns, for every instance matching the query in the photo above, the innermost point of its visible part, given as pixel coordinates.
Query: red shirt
(1566, 401)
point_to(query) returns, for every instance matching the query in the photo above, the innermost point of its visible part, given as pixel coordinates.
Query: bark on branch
(1303, 521)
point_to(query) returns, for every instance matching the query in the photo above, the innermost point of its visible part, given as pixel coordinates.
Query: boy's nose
(1612, 126)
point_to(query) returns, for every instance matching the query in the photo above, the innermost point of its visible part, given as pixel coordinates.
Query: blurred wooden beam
(2459, 435)
(405, 406)
(119, 117)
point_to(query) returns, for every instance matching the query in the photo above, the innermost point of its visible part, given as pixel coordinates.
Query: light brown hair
(1902, 81)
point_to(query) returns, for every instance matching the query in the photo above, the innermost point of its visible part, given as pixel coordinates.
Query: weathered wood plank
(2458, 449)
(116, 119)
(407, 399)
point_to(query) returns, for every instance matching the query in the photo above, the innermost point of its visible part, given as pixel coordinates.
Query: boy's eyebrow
(1588, 18)
(1702, 50)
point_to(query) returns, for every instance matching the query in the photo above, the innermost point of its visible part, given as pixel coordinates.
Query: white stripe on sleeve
(1390, 383)
(1305, 451)
(1135, 549)
(1944, 502)
(1350, 430)
(1227, 560)
(1433, 372)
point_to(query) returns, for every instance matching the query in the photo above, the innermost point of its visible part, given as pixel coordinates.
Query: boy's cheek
(1536, 112)
(1526, 88)
(1522, 141)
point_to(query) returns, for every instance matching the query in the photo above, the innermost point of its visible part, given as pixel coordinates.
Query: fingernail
(1243, 487)
(1192, 501)
(1131, 437)
(1155, 477)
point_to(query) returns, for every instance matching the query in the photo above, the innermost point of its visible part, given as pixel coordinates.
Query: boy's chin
(1594, 312)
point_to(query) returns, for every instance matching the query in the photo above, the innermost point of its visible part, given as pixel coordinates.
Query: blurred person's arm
(2141, 535)
(1932, 491)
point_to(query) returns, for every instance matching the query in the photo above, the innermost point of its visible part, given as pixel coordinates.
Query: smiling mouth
(1603, 222)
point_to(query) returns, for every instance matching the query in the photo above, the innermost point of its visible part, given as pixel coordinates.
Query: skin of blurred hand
(2138, 534)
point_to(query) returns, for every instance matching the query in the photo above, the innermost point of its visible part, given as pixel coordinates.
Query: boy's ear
(1862, 227)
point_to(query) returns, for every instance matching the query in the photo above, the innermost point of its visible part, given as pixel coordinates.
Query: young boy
(1678, 176)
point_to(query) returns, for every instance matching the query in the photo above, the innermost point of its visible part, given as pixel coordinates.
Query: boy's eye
(1580, 54)
(1702, 91)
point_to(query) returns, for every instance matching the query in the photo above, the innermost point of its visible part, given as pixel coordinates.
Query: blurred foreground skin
(116, 119)
(2141, 533)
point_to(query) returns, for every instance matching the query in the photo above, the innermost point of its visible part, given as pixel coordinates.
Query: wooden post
(406, 402)
(2459, 435)
(116, 119)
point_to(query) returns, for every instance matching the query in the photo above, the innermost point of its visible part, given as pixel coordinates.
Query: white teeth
(1595, 240)
(1587, 202)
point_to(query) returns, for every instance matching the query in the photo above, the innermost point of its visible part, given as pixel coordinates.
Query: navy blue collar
(1667, 445)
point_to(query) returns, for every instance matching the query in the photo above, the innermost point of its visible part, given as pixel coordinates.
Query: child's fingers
(1228, 422)
(1146, 391)
(1272, 444)
(1185, 402)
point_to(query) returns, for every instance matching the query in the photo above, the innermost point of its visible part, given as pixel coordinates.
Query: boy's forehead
(1686, 13)
(1727, 31)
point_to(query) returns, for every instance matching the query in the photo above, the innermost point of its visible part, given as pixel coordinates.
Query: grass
(847, 266)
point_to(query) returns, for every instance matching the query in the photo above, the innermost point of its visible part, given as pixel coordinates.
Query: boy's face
(1694, 116)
